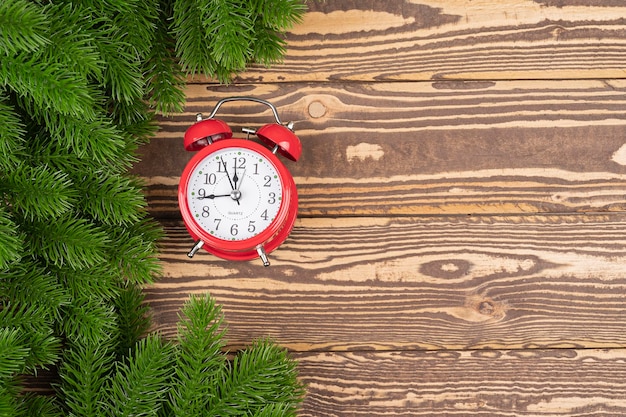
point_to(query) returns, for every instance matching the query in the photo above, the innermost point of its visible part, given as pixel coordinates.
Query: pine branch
(72, 43)
(12, 134)
(199, 357)
(132, 316)
(39, 405)
(40, 193)
(140, 384)
(22, 27)
(13, 353)
(135, 254)
(37, 290)
(89, 321)
(83, 373)
(70, 241)
(47, 85)
(112, 200)
(11, 240)
(260, 375)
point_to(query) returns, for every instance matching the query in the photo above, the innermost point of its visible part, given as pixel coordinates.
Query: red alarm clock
(237, 199)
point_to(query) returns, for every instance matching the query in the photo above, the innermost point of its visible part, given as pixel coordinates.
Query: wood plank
(558, 382)
(404, 40)
(426, 148)
(464, 282)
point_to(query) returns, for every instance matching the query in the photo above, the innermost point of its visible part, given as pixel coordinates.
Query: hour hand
(212, 196)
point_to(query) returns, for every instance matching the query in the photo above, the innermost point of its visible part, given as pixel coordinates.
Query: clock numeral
(268, 181)
(205, 211)
(256, 169)
(234, 229)
(217, 223)
(251, 227)
(210, 178)
(264, 215)
(202, 192)
(272, 198)
(240, 163)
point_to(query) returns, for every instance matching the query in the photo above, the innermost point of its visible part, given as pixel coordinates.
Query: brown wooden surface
(461, 242)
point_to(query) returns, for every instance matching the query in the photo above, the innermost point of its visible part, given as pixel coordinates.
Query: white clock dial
(234, 193)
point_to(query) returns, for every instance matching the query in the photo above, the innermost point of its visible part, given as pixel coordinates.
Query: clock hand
(227, 174)
(212, 196)
(235, 179)
(229, 180)
(243, 174)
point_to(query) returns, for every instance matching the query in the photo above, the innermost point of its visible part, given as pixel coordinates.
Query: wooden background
(461, 245)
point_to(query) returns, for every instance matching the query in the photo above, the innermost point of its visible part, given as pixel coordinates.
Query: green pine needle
(13, 353)
(140, 385)
(12, 139)
(199, 357)
(70, 241)
(260, 375)
(11, 241)
(40, 192)
(133, 317)
(22, 27)
(83, 373)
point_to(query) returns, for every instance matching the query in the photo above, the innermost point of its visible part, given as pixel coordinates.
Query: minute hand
(232, 186)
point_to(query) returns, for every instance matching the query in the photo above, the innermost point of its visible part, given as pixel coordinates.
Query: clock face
(234, 193)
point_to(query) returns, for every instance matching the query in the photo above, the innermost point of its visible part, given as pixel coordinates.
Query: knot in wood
(487, 308)
(317, 110)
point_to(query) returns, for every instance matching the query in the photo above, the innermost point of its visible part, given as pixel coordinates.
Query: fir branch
(191, 39)
(12, 134)
(199, 356)
(22, 27)
(35, 333)
(135, 252)
(101, 281)
(122, 76)
(11, 240)
(260, 375)
(113, 200)
(229, 27)
(47, 85)
(165, 77)
(132, 316)
(69, 241)
(97, 139)
(88, 321)
(39, 405)
(37, 289)
(39, 192)
(140, 384)
(83, 374)
(13, 353)
(72, 43)
(279, 15)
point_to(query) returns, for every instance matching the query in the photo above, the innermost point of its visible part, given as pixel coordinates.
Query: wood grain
(420, 40)
(426, 148)
(460, 248)
(557, 382)
(416, 283)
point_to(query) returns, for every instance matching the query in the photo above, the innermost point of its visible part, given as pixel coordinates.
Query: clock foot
(262, 255)
(195, 248)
